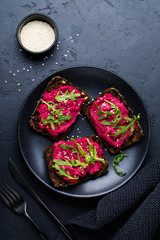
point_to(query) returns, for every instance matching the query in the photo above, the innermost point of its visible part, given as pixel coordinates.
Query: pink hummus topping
(58, 109)
(71, 164)
(103, 112)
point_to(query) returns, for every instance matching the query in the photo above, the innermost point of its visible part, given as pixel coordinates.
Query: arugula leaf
(89, 158)
(62, 172)
(123, 129)
(51, 120)
(116, 161)
(63, 162)
(64, 97)
(116, 120)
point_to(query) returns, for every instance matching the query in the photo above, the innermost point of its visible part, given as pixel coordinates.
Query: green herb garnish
(54, 111)
(120, 129)
(116, 161)
(116, 112)
(92, 150)
(88, 158)
(62, 172)
(51, 120)
(73, 163)
(63, 98)
(123, 129)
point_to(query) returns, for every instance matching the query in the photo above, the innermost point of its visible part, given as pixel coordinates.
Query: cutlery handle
(42, 235)
(16, 174)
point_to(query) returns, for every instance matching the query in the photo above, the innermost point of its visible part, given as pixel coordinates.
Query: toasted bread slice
(55, 83)
(138, 132)
(58, 181)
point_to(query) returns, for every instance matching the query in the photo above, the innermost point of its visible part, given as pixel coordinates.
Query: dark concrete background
(120, 36)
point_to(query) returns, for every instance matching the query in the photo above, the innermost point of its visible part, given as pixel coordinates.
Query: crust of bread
(55, 83)
(135, 137)
(58, 181)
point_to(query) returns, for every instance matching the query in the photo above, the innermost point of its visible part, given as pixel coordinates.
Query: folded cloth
(130, 212)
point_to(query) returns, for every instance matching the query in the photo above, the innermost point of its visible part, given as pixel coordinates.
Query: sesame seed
(17, 70)
(9, 71)
(51, 55)
(57, 48)
(42, 64)
(70, 37)
(30, 66)
(59, 42)
(19, 89)
(24, 68)
(20, 49)
(27, 70)
(71, 40)
(33, 80)
(46, 57)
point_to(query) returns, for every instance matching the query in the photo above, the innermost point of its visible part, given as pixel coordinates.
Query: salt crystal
(42, 64)
(17, 70)
(56, 62)
(14, 74)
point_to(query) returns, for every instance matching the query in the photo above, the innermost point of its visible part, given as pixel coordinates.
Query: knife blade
(18, 177)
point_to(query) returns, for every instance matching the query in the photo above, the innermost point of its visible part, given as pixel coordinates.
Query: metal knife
(16, 174)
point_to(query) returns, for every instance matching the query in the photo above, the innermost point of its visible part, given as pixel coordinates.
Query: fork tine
(14, 193)
(7, 200)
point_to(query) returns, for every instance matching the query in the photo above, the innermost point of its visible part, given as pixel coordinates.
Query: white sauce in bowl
(37, 36)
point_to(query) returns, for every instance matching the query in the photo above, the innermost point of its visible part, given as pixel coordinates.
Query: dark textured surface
(120, 36)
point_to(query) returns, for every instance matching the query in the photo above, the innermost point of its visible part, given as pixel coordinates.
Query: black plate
(92, 80)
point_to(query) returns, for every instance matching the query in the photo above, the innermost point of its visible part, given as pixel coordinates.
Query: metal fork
(17, 204)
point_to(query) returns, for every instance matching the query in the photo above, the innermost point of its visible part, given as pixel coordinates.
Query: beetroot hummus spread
(58, 109)
(76, 158)
(111, 120)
